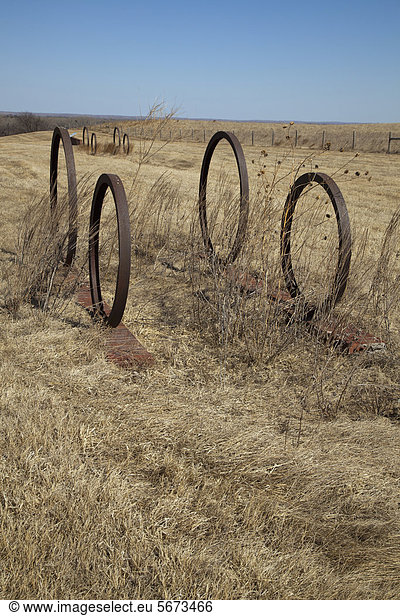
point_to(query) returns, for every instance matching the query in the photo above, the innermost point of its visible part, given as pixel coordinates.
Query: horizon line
(141, 117)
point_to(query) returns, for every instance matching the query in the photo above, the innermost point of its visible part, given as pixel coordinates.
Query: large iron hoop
(113, 182)
(126, 147)
(61, 134)
(116, 131)
(244, 196)
(93, 144)
(85, 132)
(344, 233)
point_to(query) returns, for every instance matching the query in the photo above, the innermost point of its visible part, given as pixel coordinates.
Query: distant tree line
(25, 122)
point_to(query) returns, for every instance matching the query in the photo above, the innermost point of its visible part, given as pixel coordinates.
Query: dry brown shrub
(37, 273)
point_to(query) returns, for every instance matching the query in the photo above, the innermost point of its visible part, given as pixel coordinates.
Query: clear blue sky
(263, 60)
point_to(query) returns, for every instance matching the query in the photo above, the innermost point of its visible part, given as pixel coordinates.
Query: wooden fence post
(272, 137)
(252, 137)
(295, 139)
(354, 140)
(323, 139)
(390, 138)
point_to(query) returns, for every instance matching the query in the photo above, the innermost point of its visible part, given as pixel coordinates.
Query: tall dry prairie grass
(253, 461)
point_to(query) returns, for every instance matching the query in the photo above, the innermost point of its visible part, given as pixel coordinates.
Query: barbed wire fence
(352, 141)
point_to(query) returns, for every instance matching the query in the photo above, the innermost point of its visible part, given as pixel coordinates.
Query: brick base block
(122, 347)
(347, 338)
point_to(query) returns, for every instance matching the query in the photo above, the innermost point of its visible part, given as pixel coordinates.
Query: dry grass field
(252, 461)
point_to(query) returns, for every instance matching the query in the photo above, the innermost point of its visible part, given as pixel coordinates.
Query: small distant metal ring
(127, 147)
(93, 144)
(62, 134)
(116, 131)
(85, 131)
(244, 196)
(113, 182)
(344, 233)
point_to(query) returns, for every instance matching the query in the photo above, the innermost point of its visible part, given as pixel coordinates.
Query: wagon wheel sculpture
(244, 198)
(117, 132)
(338, 287)
(125, 143)
(61, 134)
(85, 132)
(93, 144)
(114, 183)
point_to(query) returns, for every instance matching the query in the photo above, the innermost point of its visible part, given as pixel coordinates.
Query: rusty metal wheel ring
(61, 134)
(244, 196)
(344, 233)
(93, 144)
(85, 131)
(127, 147)
(116, 130)
(105, 181)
